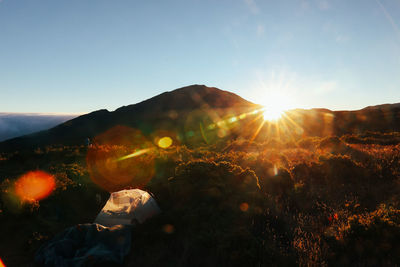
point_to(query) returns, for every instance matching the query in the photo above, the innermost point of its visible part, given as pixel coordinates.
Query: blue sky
(76, 56)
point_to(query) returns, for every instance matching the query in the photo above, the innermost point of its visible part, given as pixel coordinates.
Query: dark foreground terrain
(311, 202)
(315, 188)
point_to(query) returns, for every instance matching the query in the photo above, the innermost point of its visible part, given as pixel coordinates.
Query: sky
(77, 56)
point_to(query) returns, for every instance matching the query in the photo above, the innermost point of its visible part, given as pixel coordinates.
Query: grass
(313, 202)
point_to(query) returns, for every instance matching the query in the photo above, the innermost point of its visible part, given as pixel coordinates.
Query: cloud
(252, 5)
(17, 124)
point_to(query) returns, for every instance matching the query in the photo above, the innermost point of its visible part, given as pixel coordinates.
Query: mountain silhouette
(169, 111)
(324, 122)
(185, 114)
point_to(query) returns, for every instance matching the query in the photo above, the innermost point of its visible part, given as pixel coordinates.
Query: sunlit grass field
(312, 202)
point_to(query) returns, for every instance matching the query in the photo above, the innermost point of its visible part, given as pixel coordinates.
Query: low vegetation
(311, 202)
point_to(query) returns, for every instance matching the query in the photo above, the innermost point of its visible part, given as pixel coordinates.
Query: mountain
(18, 124)
(324, 122)
(198, 114)
(177, 111)
(380, 118)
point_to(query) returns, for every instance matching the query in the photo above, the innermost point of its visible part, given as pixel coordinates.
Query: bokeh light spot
(220, 123)
(168, 228)
(165, 142)
(273, 171)
(34, 185)
(244, 207)
(211, 127)
(221, 133)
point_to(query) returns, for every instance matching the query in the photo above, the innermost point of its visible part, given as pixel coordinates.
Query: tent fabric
(86, 245)
(127, 207)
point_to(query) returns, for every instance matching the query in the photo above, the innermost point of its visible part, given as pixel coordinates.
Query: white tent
(127, 207)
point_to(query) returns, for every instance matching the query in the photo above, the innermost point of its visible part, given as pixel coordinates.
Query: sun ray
(296, 125)
(277, 125)
(257, 131)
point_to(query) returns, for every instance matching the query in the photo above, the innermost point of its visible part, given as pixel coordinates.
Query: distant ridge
(189, 109)
(384, 106)
(17, 124)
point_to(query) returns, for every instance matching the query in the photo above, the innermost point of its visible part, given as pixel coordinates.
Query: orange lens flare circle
(34, 186)
(121, 158)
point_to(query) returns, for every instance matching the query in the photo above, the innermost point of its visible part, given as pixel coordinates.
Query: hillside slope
(167, 111)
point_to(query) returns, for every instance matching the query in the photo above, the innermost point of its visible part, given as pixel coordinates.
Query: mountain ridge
(140, 115)
(182, 110)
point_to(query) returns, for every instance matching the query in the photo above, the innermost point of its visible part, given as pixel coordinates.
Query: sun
(275, 104)
(272, 114)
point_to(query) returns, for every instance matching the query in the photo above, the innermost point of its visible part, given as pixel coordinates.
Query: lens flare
(122, 158)
(272, 114)
(232, 120)
(211, 126)
(168, 228)
(165, 142)
(34, 186)
(244, 207)
(134, 154)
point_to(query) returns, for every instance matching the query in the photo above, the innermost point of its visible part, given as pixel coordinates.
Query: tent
(127, 207)
(106, 241)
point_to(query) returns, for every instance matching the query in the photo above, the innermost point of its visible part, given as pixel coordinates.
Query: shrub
(277, 182)
(370, 239)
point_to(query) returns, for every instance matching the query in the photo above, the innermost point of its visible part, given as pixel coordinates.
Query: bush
(370, 239)
(211, 205)
(279, 182)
